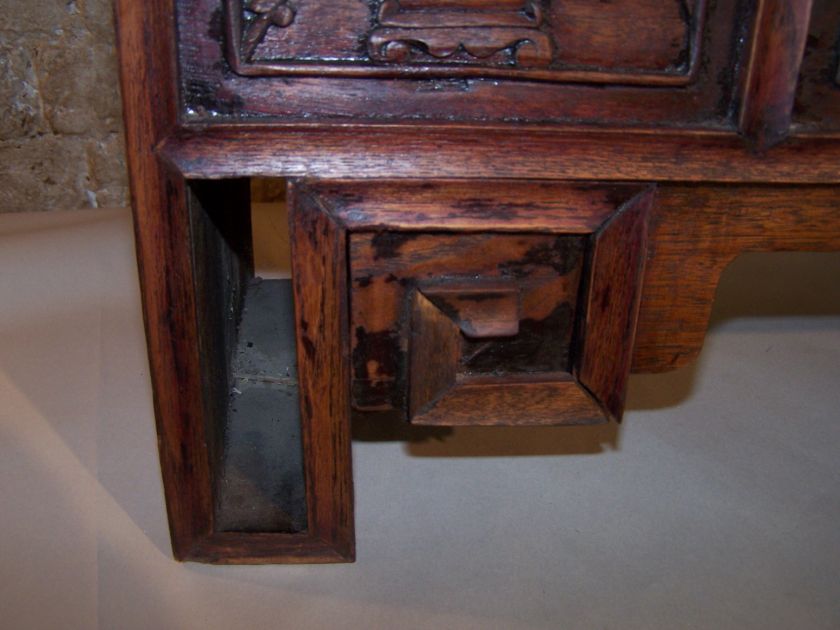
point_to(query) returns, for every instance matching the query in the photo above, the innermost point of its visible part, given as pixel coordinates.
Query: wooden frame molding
(168, 285)
(319, 272)
(407, 243)
(458, 152)
(769, 89)
(161, 227)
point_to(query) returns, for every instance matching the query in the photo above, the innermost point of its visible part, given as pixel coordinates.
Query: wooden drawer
(664, 63)
(436, 313)
(494, 303)
(625, 41)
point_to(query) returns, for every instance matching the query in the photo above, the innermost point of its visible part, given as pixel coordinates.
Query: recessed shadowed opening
(245, 311)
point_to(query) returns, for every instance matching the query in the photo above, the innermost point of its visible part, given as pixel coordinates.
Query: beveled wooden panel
(386, 267)
(436, 313)
(446, 388)
(324, 61)
(625, 41)
(435, 351)
(614, 288)
(489, 402)
(480, 310)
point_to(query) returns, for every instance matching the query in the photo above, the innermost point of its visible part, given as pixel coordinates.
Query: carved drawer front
(482, 317)
(671, 62)
(648, 40)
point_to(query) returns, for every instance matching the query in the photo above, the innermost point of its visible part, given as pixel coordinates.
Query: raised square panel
(462, 277)
(493, 303)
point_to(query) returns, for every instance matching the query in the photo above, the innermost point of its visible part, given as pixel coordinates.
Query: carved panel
(625, 41)
(258, 17)
(490, 32)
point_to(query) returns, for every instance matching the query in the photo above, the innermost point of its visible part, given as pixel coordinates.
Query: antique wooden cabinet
(498, 210)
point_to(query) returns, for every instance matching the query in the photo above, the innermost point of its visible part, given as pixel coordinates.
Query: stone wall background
(61, 143)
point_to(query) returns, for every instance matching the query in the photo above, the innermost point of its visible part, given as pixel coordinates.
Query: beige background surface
(715, 505)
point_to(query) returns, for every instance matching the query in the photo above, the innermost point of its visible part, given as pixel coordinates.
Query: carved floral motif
(465, 31)
(260, 15)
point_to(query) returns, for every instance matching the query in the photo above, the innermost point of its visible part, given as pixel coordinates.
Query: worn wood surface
(265, 548)
(387, 266)
(630, 35)
(319, 277)
(817, 104)
(645, 42)
(166, 279)
(462, 152)
(613, 291)
(504, 205)
(327, 68)
(480, 311)
(560, 400)
(695, 232)
(435, 348)
(319, 268)
(509, 299)
(174, 290)
(772, 72)
(446, 390)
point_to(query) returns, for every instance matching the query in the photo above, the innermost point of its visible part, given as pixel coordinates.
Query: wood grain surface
(166, 279)
(320, 297)
(319, 277)
(481, 311)
(175, 287)
(642, 42)
(435, 349)
(387, 267)
(772, 73)
(529, 153)
(817, 104)
(488, 402)
(505, 205)
(613, 290)
(695, 232)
